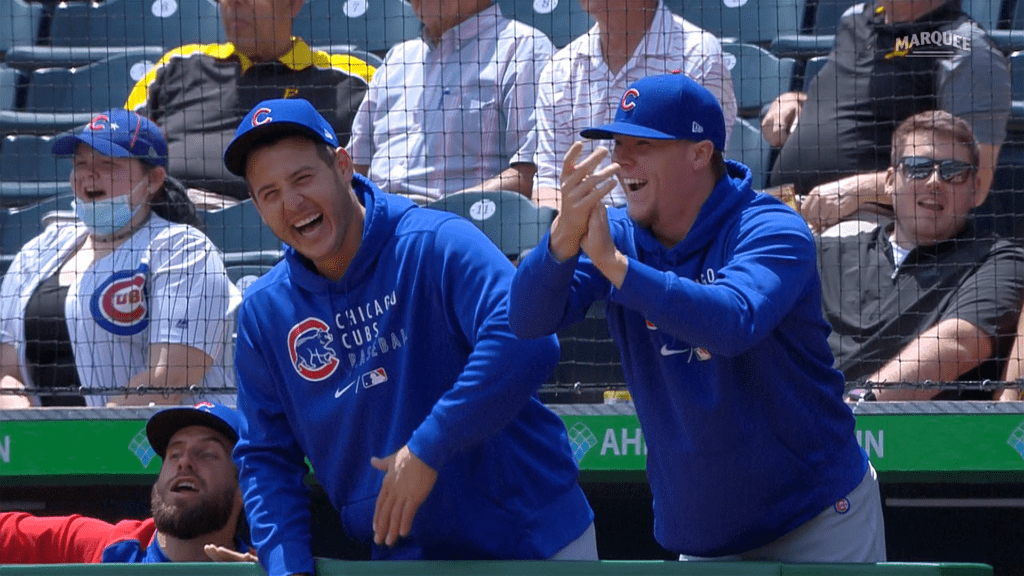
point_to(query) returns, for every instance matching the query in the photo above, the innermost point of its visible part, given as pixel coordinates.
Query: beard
(191, 521)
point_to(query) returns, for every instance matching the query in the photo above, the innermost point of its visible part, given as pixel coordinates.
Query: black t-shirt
(876, 311)
(878, 75)
(198, 94)
(49, 356)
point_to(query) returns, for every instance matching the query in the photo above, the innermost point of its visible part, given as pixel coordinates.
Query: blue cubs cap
(164, 424)
(286, 116)
(118, 133)
(667, 107)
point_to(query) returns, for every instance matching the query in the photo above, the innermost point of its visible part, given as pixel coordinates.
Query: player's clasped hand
(582, 188)
(407, 483)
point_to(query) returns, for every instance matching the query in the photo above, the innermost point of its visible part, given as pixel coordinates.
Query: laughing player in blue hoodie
(380, 349)
(714, 301)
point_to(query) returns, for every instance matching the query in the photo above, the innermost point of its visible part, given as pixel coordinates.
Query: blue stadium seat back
(31, 58)
(819, 32)
(513, 222)
(1003, 210)
(10, 80)
(1016, 122)
(347, 49)
(561, 20)
(758, 76)
(19, 23)
(99, 86)
(986, 12)
(29, 173)
(826, 14)
(811, 69)
(752, 21)
(240, 234)
(371, 25)
(747, 146)
(164, 23)
(21, 224)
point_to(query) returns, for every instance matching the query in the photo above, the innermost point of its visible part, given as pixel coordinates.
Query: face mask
(107, 216)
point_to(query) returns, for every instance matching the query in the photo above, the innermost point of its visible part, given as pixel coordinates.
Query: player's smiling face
(306, 201)
(653, 176)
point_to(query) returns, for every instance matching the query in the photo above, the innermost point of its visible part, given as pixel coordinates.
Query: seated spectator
(199, 93)
(891, 59)
(1015, 368)
(582, 85)
(196, 504)
(924, 297)
(453, 110)
(130, 295)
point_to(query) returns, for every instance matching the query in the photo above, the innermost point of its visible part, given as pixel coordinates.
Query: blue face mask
(107, 216)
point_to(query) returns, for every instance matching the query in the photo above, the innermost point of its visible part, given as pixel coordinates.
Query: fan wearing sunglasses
(924, 298)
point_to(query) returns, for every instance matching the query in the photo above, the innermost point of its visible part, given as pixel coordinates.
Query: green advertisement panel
(919, 443)
(107, 447)
(952, 445)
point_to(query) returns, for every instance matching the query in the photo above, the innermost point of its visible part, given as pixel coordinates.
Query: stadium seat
(59, 99)
(750, 22)
(371, 25)
(811, 69)
(164, 23)
(747, 146)
(1016, 122)
(561, 20)
(1003, 210)
(10, 79)
(84, 32)
(513, 222)
(19, 23)
(29, 173)
(758, 76)
(19, 225)
(1005, 22)
(240, 234)
(817, 38)
(347, 49)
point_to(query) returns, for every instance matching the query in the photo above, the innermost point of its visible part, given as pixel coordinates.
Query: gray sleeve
(975, 85)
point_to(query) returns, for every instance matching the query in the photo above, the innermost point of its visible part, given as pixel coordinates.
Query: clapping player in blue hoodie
(380, 349)
(715, 302)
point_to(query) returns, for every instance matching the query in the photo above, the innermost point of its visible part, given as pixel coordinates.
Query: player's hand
(407, 483)
(827, 204)
(222, 554)
(782, 114)
(582, 188)
(598, 245)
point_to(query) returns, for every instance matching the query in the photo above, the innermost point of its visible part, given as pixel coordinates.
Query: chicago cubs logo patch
(842, 506)
(309, 345)
(120, 305)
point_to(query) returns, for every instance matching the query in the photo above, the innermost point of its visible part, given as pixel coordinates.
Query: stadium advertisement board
(911, 444)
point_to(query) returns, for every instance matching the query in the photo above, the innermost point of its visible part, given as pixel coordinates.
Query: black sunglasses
(921, 167)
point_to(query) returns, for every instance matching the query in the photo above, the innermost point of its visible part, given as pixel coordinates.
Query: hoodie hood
(383, 213)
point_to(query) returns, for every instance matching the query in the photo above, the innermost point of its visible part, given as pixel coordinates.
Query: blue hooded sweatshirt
(411, 346)
(726, 356)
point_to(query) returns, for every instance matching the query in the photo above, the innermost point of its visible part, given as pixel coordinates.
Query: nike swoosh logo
(338, 393)
(666, 351)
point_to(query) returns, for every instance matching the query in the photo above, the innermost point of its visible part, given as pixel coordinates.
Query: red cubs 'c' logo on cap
(261, 116)
(629, 99)
(100, 122)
